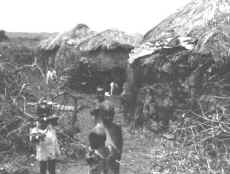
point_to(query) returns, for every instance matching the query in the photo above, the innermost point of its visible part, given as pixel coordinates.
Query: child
(97, 157)
(47, 147)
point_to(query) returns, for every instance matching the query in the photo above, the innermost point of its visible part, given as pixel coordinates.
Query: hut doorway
(104, 79)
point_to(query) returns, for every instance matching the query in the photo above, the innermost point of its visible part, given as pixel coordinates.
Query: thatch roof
(202, 26)
(72, 37)
(149, 48)
(192, 20)
(51, 43)
(81, 40)
(215, 42)
(109, 40)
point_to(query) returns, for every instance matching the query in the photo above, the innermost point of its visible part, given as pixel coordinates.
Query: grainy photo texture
(115, 87)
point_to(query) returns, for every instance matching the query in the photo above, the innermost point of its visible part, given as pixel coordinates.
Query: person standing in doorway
(113, 88)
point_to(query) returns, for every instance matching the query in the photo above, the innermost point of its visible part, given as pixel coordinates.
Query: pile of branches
(170, 158)
(187, 95)
(14, 129)
(200, 141)
(14, 122)
(17, 112)
(155, 103)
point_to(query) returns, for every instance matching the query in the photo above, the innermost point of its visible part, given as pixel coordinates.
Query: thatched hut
(206, 31)
(60, 50)
(179, 57)
(110, 48)
(107, 52)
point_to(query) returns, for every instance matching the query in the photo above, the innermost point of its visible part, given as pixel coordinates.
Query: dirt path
(135, 159)
(136, 150)
(75, 169)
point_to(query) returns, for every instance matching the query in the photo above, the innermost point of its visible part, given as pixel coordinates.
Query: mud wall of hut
(108, 65)
(173, 80)
(66, 57)
(97, 69)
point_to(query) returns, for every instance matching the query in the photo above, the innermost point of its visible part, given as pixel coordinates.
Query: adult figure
(97, 157)
(113, 142)
(114, 138)
(113, 88)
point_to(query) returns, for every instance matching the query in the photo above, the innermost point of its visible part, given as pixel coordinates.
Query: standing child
(47, 147)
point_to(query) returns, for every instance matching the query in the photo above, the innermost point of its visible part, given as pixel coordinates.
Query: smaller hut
(107, 53)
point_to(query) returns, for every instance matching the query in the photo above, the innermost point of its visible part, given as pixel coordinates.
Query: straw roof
(72, 37)
(192, 20)
(51, 43)
(109, 39)
(149, 48)
(202, 26)
(215, 42)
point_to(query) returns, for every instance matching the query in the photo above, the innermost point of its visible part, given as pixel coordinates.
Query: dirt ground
(135, 159)
(136, 150)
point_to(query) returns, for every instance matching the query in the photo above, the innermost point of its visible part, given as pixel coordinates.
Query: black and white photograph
(115, 87)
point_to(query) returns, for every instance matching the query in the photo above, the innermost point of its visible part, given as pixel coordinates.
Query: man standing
(113, 88)
(110, 131)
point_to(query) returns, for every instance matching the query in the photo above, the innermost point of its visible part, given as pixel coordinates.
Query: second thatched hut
(106, 56)
(181, 61)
